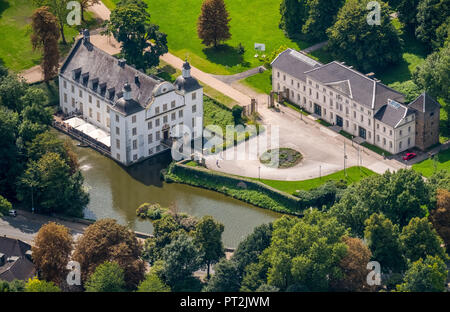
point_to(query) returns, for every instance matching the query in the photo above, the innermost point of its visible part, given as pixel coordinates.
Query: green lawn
(255, 22)
(429, 166)
(15, 50)
(353, 175)
(261, 83)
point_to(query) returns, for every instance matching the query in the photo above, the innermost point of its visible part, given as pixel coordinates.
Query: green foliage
(427, 275)
(306, 251)
(400, 196)
(408, 88)
(181, 259)
(208, 239)
(237, 113)
(55, 189)
(226, 277)
(321, 15)
(407, 12)
(255, 275)
(433, 76)
(216, 114)
(36, 285)
(324, 195)
(419, 239)
(5, 206)
(14, 286)
(244, 189)
(130, 25)
(108, 277)
(9, 166)
(152, 283)
(293, 15)
(431, 14)
(368, 47)
(213, 23)
(383, 240)
(11, 90)
(249, 250)
(267, 288)
(272, 56)
(151, 211)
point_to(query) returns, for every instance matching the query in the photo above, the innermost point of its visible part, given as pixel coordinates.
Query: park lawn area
(261, 83)
(255, 22)
(444, 133)
(16, 51)
(427, 167)
(353, 175)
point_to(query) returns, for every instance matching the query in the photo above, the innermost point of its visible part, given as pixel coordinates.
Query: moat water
(115, 192)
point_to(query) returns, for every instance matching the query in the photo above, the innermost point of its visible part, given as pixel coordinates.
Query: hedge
(253, 192)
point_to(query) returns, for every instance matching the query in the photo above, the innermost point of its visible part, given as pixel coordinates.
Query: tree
(5, 206)
(368, 47)
(181, 260)
(354, 266)
(86, 4)
(407, 12)
(105, 240)
(305, 251)
(213, 23)
(431, 14)
(51, 251)
(45, 36)
(427, 275)
(321, 15)
(36, 285)
(3, 71)
(59, 9)
(9, 166)
(440, 217)
(225, 279)
(409, 88)
(400, 196)
(419, 240)
(107, 277)
(293, 16)
(152, 283)
(14, 286)
(434, 77)
(249, 250)
(12, 88)
(383, 240)
(208, 239)
(47, 142)
(142, 42)
(237, 113)
(55, 189)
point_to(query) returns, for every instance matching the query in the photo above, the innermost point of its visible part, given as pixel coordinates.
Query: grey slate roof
(294, 63)
(424, 103)
(392, 114)
(22, 268)
(101, 73)
(357, 86)
(127, 107)
(188, 84)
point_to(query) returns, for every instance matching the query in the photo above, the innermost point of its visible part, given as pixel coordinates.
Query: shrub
(150, 211)
(237, 113)
(5, 206)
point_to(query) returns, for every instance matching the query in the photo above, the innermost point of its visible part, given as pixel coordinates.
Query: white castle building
(358, 104)
(136, 112)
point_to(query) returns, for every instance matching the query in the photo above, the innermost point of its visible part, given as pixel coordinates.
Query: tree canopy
(107, 277)
(213, 23)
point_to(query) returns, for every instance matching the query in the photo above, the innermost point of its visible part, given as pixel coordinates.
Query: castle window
(173, 116)
(117, 143)
(117, 118)
(80, 94)
(65, 98)
(165, 119)
(90, 99)
(194, 108)
(133, 119)
(134, 144)
(157, 122)
(98, 104)
(117, 131)
(150, 125)
(118, 156)
(172, 104)
(134, 131)
(150, 138)
(65, 84)
(180, 113)
(157, 135)
(194, 96)
(164, 107)
(135, 157)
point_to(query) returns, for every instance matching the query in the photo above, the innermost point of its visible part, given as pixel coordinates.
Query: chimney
(127, 92)
(86, 35)
(122, 62)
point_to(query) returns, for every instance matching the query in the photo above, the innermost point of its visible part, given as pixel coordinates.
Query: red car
(409, 156)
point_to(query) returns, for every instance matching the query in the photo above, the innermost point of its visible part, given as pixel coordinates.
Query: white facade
(339, 108)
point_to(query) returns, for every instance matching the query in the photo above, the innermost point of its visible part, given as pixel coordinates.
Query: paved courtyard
(322, 150)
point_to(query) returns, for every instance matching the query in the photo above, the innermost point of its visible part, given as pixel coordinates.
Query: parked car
(13, 213)
(409, 156)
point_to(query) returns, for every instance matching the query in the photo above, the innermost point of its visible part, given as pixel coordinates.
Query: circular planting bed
(281, 158)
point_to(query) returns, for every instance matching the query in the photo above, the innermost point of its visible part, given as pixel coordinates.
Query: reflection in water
(116, 192)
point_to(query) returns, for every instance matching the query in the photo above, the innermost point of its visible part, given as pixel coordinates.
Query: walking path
(229, 79)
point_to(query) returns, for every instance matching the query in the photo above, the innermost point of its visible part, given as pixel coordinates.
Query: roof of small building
(101, 72)
(364, 90)
(188, 84)
(294, 63)
(127, 107)
(20, 267)
(392, 113)
(424, 103)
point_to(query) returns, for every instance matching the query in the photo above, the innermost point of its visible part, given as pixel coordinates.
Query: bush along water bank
(247, 190)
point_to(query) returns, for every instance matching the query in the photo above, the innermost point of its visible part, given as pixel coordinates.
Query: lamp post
(259, 172)
(32, 200)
